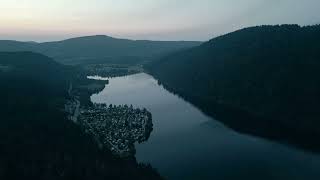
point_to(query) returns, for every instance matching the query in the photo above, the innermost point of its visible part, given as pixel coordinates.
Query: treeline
(99, 49)
(36, 139)
(261, 80)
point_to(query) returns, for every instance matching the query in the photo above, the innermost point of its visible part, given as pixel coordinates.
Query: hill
(261, 80)
(99, 49)
(37, 141)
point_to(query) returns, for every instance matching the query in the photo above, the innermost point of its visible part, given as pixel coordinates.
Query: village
(117, 128)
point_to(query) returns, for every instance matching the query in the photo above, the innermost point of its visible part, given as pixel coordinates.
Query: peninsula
(117, 128)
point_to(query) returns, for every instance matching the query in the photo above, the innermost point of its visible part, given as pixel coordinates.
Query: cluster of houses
(117, 128)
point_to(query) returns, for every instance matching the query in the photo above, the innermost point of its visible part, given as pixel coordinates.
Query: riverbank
(251, 123)
(111, 70)
(117, 128)
(187, 144)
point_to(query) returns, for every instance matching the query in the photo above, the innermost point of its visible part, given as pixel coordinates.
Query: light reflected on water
(186, 144)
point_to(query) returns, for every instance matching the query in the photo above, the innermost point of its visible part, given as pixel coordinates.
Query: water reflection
(186, 144)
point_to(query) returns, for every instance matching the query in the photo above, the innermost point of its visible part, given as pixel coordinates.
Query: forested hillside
(262, 80)
(99, 49)
(37, 141)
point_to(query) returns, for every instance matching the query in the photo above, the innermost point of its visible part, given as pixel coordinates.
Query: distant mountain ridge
(99, 49)
(261, 80)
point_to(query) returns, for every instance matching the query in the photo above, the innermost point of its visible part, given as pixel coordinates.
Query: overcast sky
(46, 20)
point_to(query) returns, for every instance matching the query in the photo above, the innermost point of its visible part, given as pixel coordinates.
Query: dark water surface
(187, 144)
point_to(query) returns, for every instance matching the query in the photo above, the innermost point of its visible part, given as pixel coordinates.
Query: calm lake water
(187, 144)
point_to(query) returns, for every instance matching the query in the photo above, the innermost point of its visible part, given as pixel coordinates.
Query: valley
(243, 105)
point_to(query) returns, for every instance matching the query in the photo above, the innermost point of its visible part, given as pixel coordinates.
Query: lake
(187, 144)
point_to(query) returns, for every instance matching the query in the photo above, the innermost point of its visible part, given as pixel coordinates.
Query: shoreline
(116, 128)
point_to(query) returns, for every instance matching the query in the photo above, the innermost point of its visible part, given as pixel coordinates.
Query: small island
(117, 128)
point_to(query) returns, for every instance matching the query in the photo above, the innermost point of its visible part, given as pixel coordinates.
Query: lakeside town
(117, 128)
